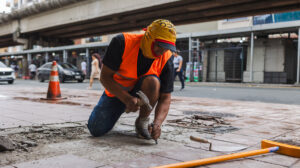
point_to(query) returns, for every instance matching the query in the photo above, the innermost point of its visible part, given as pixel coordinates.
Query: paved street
(54, 134)
(285, 94)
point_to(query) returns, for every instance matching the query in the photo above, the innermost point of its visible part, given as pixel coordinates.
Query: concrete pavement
(269, 93)
(62, 139)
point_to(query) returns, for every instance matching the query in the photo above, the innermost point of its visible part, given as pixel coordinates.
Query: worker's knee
(99, 123)
(97, 130)
(104, 116)
(151, 82)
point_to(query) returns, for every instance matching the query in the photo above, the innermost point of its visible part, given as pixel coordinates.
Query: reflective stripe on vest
(126, 76)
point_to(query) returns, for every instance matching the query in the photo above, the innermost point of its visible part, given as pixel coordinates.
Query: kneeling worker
(136, 62)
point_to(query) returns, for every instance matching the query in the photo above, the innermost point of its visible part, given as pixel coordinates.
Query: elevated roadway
(50, 26)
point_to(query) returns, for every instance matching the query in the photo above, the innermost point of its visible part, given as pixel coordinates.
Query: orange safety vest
(126, 76)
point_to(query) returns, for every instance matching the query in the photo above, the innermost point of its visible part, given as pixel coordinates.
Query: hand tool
(142, 101)
(152, 125)
(218, 148)
(266, 145)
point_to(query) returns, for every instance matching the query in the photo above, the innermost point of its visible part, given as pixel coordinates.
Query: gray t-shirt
(177, 60)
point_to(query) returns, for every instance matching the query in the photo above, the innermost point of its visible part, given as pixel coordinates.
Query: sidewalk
(227, 84)
(62, 139)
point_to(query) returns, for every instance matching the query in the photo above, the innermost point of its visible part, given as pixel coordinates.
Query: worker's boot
(141, 127)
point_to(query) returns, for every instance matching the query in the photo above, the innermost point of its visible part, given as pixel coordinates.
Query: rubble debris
(28, 143)
(213, 114)
(203, 123)
(197, 120)
(31, 137)
(6, 144)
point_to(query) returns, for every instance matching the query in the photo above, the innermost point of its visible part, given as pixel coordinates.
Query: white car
(6, 74)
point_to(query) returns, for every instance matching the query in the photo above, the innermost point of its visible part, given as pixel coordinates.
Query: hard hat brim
(166, 46)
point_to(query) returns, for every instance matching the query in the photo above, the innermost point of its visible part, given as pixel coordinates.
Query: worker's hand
(178, 70)
(132, 104)
(154, 130)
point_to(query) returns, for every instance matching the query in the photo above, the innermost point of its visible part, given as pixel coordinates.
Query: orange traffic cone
(54, 89)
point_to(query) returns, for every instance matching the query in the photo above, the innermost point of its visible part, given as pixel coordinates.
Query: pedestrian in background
(32, 70)
(178, 68)
(15, 67)
(83, 67)
(96, 69)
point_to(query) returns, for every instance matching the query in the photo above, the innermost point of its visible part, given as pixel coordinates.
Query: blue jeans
(180, 75)
(107, 112)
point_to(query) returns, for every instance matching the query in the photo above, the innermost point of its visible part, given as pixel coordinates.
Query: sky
(3, 6)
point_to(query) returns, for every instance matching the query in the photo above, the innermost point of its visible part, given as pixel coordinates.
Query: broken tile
(65, 161)
(145, 162)
(244, 163)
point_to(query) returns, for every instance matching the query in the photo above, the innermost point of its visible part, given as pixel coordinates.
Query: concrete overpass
(85, 18)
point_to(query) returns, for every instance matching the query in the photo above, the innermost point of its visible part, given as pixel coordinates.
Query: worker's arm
(114, 88)
(161, 112)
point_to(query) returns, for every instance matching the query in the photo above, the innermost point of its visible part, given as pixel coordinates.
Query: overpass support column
(46, 57)
(298, 58)
(29, 59)
(65, 56)
(27, 63)
(251, 57)
(88, 64)
(190, 48)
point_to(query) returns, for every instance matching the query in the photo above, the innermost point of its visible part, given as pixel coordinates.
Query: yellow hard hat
(164, 32)
(161, 31)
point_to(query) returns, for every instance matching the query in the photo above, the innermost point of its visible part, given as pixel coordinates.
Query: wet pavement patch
(45, 93)
(52, 101)
(36, 93)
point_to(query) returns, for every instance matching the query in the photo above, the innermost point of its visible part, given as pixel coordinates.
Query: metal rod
(190, 49)
(216, 65)
(298, 57)
(242, 64)
(65, 56)
(47, 57)
(29, 59)
(251, 57)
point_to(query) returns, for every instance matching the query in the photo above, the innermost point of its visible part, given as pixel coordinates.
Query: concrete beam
(89, 10)
(8, 28)
(71, 47)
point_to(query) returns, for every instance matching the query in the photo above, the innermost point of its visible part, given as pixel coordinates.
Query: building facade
(219, 51)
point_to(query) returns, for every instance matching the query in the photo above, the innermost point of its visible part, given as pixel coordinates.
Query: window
(236, 19)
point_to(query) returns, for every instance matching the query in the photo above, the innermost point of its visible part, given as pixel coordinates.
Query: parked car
(66, 71)
(6, 74)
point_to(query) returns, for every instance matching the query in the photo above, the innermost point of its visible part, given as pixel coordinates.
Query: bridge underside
(179, 12)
